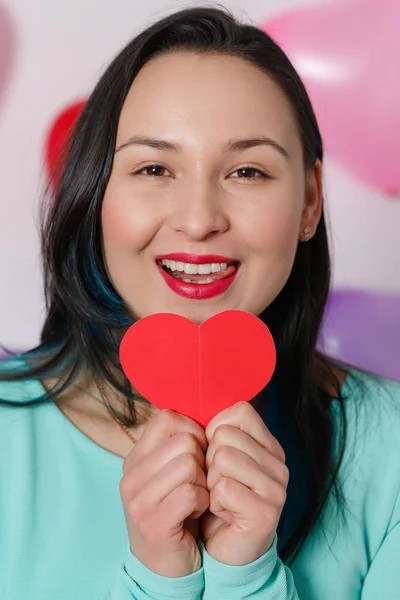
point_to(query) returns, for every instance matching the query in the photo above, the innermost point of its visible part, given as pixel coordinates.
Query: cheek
(273, 228)
(127, 222)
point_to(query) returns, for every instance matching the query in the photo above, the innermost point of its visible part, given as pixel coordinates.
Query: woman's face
(222, 214)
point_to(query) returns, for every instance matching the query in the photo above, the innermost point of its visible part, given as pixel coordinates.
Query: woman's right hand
(163, 491)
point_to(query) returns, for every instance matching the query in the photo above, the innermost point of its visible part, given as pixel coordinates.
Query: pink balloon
(6, 48)
(347, 54)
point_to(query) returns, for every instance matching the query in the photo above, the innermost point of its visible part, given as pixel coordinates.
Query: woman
(199, 139)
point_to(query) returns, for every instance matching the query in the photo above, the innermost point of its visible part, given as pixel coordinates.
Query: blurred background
(348, 54)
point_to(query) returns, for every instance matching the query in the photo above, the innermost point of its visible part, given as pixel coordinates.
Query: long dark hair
(85, 314)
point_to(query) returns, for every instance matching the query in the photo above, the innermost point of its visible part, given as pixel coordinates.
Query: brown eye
(152, 170)
(245, 171)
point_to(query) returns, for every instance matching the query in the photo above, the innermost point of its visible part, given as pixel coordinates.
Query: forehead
(205, 96)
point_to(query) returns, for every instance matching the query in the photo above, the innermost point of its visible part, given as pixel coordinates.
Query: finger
(234, 464)
(181, 469)
(244, 417)
(181, 459)
(228, 435)
(232, 437)
(247, 509)
(183, 502)
(161, 428)
(147, 468)
(184, 470)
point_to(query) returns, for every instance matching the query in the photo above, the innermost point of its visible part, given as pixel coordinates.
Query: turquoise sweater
(63, 534)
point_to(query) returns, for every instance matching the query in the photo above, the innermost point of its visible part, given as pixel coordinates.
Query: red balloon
(57, 139)
(198, 371)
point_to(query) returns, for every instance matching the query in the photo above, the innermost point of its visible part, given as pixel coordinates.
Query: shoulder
(372, 405)
(16, 396)
(370, 467)
(20, 390)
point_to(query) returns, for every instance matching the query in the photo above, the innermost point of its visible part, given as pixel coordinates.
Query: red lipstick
(200, 291)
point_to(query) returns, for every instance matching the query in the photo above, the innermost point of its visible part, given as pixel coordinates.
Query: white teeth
(191, 269)
(205, 269)
(199, 281)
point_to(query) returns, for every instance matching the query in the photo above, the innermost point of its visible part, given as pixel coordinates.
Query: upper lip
(197, 259)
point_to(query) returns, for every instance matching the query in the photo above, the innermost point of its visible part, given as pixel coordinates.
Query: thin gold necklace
(104, 400)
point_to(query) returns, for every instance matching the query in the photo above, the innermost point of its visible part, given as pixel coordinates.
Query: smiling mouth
(201, 274)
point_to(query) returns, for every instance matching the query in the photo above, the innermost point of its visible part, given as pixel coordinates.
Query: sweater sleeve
(136, 582)
(267, 578)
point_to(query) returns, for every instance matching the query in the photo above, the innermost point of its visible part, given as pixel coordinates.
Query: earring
(306, 234)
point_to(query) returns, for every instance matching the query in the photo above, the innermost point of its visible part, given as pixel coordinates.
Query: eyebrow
(233, 145)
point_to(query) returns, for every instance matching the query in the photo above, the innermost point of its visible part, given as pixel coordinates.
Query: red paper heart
(198, 371)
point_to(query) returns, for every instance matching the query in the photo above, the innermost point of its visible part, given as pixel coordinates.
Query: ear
(312, 209)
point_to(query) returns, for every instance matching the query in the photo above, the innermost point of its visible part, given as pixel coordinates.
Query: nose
(199, 213)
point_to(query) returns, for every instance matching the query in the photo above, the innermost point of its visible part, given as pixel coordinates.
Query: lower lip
(198, 291)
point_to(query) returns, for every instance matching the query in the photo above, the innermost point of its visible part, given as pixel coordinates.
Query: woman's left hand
(247, 480)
